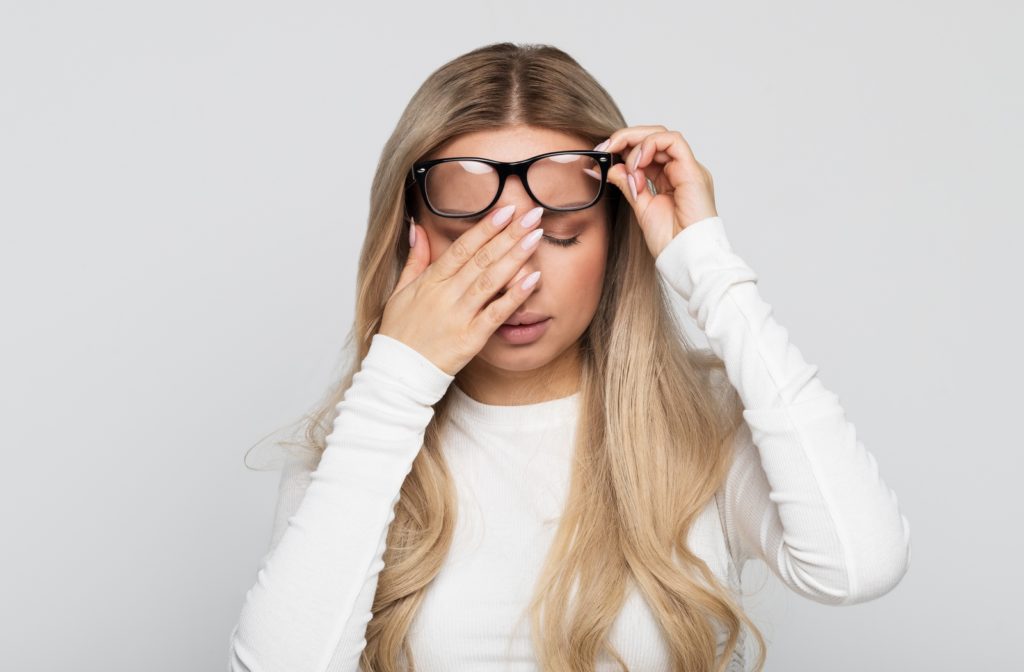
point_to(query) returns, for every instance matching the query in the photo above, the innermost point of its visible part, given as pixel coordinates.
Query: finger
(418, 257)
(497, 262)
(466, 246)
(671, 143)
(636, 193)
(620, 141)
(654, 171)
(499, 310)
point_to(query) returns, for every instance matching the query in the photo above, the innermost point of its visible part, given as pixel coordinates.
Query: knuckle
(484, 283)
(482, 258)
(459, 251)
(493, 313)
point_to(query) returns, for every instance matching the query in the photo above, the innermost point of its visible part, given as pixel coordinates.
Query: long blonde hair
(655, 423)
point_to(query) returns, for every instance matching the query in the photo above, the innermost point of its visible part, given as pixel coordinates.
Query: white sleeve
(803, 493)
(311, 602)
(296, 474)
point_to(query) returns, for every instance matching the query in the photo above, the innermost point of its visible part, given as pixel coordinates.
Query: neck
(489, 384)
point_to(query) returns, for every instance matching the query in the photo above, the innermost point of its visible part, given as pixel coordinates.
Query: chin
(501, 355)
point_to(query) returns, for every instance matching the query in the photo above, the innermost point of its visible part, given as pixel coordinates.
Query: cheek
(591, 274)
(578, 283)
(590, 265)
(438, 244)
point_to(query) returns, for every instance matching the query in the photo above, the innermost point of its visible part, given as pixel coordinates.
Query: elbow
(237, 655)
(882, 571)
(235, 663)
(866, 574)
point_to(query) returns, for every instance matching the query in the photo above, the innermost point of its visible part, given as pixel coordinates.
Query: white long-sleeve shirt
(803, 495)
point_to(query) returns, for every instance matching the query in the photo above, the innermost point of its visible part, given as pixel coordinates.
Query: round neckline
(551, 411)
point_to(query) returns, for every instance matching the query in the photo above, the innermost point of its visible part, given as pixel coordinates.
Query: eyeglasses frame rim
(505, 168)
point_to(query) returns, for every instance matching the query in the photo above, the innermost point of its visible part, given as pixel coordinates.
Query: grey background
(183, 193)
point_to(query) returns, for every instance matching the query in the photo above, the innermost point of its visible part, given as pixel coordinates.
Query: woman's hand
(447, 309)
(685, 190)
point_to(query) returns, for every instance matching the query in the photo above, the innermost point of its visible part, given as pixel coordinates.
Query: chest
(475, 612)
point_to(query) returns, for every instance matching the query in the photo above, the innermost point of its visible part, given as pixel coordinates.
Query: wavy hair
(655, 428)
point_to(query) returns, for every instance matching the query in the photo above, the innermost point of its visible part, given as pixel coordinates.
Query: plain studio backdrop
(184, 192)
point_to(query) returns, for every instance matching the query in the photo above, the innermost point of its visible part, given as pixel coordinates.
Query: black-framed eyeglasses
(466, 186)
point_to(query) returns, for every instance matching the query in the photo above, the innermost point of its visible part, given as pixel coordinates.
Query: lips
(526, 318)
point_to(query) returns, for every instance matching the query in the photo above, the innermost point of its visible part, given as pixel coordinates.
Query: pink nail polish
(531, 239)
(531, 280)
(502, 216)
(530, 218)
(632, 185)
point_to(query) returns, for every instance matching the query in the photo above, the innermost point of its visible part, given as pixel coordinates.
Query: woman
(582, 492)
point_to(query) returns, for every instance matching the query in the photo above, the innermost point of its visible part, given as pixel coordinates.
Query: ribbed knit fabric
(803, 496)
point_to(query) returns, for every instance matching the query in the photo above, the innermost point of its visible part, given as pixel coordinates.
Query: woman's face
(571, 274)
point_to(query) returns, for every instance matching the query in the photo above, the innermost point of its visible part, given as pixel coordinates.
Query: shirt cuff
(699, 248)
(405, 366)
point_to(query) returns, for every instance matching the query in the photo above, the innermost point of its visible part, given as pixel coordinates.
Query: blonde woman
(579, 493)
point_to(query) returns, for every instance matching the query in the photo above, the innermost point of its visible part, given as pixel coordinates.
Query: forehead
(509, 143)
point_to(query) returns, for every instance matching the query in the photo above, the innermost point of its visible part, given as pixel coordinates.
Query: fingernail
(532, 216)
(412, 233)
(632, 185)
(601, 147)
(636, 159)
(531, 280)
(503, 215)
(531, 239)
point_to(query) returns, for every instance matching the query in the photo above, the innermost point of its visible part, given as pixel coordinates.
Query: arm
(803, 493)
(314, 590)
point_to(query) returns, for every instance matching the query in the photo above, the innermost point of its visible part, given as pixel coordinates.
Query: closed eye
(561, 242)
(548, 215)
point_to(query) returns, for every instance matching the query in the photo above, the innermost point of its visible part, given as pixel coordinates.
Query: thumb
(620, 177)
(419, 256)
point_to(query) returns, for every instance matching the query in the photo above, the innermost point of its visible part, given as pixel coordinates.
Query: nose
(515, 192)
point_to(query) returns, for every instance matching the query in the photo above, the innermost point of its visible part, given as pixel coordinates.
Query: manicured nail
(531, 280)
(531, 239)
(502, 216)
(636, 159)
(601, 147)
(632, 185)
(531, 217)
(412, 234)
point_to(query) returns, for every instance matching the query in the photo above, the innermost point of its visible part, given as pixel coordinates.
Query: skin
(569, 288)
(571, 277)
